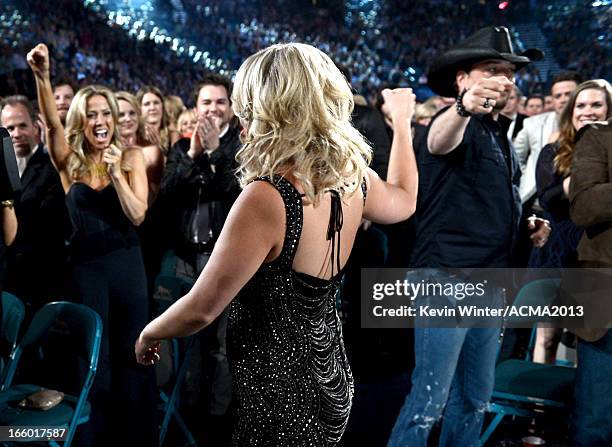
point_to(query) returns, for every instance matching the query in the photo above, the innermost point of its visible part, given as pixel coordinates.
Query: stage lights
(139, 19)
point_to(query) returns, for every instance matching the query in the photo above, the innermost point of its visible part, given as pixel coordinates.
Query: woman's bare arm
(395, 200)
(38, 59)
(254, 227)
(133, 189)
(9, 224)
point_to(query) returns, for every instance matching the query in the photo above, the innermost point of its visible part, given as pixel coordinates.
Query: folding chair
(169, 289)
(13, 313)
(85, 327)
(524, 388)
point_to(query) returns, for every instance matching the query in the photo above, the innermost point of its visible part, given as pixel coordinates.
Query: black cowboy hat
(492, 42)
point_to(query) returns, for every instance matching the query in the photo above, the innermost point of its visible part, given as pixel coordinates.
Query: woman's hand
(112, 157)
(38, 60)
(146, 350)
(152, 136)
(128, 142)
(401, 103)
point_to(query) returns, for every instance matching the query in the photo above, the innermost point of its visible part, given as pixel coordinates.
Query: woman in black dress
(106, 197)
(283, 247)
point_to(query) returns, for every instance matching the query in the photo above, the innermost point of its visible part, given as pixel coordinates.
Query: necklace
(99, 170)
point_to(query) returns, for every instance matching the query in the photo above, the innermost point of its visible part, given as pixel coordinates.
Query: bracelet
(459, 105)
(7, 204)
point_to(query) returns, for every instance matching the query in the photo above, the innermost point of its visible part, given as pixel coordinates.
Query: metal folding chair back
(85, 328)
(12, 316)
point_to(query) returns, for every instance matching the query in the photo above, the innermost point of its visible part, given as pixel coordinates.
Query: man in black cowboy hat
(468, 215)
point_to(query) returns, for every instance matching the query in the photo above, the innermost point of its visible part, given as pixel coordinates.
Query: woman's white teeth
(102, 133)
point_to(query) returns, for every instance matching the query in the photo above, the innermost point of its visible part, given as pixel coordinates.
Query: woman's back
(285, 344)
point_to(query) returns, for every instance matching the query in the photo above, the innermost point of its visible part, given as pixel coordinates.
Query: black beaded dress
(291, 376)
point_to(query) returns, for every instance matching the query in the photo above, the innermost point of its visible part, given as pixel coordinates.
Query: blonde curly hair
(79, 163)
(296, 107)
(141, 139)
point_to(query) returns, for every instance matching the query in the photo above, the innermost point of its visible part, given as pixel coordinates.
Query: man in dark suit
(36, 260)
(510, 119)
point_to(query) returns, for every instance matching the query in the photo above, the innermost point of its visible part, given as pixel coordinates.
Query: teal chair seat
(58, 416)
(524, 388)
(534, 381)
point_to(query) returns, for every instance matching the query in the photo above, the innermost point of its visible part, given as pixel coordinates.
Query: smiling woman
(590, 101)
(133, 135)
(106, 197)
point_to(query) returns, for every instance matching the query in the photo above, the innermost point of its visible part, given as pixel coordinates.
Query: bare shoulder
(152, 150)
(133, 154)
(262, 199)
(258, 214)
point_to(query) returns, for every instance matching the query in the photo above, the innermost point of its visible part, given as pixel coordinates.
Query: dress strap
(364, 189)
(294, 217)
(336, 219)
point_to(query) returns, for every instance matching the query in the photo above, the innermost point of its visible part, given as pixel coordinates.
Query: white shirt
(22, 162)
(528, 143)
(208, 152)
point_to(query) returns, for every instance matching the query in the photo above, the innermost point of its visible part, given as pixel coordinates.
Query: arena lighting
(503, 5)
(139, 19)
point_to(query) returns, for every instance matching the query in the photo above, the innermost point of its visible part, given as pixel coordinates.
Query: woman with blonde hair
(425, 112)
(132, 133)
(284, 245)
(106, 197)
(173, 106)
(591, 101)
(187, 122)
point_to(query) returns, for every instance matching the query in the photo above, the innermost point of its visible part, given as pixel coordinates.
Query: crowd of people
(377, 54)
(236, 189)
(586, 48)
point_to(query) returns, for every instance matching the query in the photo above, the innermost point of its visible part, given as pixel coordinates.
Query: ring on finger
(486, 103)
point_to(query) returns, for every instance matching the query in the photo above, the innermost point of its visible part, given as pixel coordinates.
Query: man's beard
(500, 104)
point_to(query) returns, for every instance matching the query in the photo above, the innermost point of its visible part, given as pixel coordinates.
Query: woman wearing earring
(106, 197)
